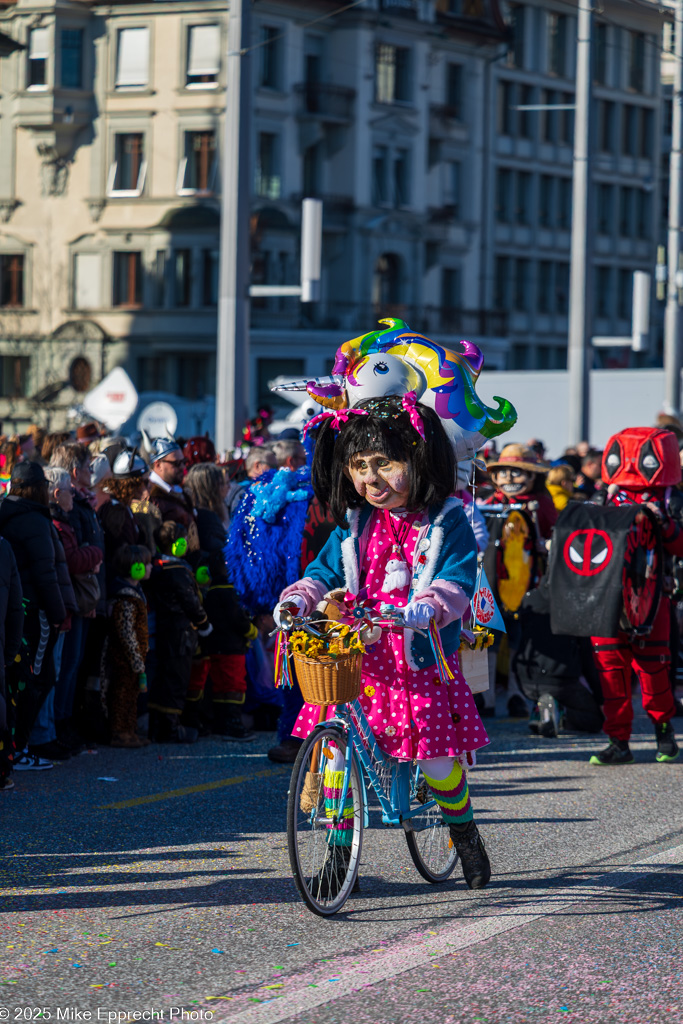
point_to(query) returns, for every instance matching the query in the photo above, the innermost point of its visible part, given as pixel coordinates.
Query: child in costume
(125, 649)
(386, 470)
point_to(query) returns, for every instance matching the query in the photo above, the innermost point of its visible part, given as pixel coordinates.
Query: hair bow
(409, 404)
(338, 416)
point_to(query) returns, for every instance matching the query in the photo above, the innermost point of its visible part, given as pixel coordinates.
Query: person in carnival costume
(386, 469)
(641, 466)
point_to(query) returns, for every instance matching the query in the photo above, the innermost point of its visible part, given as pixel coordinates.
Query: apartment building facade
(530, 173)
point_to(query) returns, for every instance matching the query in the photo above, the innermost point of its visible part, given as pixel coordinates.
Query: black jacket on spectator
(11, 618)
(212, 535)
(64, 577)
(231, 624)
(28, 528)
(175, 598)
(88, 529)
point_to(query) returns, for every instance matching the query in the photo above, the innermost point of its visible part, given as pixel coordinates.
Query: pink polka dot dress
(411, 713)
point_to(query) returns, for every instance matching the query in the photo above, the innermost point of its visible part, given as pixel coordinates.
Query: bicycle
(324, 878)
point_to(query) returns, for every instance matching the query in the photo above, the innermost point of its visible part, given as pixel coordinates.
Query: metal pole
(581, 279)
(672, 323)
(232, 357)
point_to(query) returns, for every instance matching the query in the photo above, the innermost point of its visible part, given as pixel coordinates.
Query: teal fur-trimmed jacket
(446, 578)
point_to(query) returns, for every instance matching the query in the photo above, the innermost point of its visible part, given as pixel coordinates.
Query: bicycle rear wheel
(324, 868)
(428, 837)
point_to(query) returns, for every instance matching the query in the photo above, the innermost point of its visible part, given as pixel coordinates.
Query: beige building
(110, 135)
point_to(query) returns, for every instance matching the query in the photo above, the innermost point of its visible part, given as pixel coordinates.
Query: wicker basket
(474, 666)
(326, 681)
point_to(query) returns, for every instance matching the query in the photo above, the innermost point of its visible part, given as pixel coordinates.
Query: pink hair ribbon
(338, 416)
(409, 403)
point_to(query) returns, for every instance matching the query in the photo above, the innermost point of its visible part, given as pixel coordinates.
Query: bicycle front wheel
(324, 828)
(428, 837)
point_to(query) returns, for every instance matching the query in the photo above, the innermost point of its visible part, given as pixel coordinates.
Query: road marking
(171, 793)
(408, 954)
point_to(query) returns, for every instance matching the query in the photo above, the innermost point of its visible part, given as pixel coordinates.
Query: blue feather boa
(263, 552)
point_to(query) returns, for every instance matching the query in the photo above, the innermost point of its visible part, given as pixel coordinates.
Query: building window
(606, 126)
(386, 281)
(402, 178)
(132, 58)
(38, 52)
(14, 371)
(269, 52)
(521, 297)
(127, 279)
(392, 74)
(636, 61)
(193, 378)
(268, 182)
(87, 280)
(523, 204)
(624, 293)
(626, 224)
(203, 56)
(566, 118)
(501, 287)
(504, 195)
(549, 117)
(152, 373)
(505, 114)
(545, 286)
(515, 55)
(605, 209)
(525, 117)
(629, 137)
(643, 214)
(453, 186)
(197, 171)
(561, 287)
(380, 176)
(129, 167)
(564, 203)
(182, 277)
(210, 264)
(603, 291)
(646, 134)
(600, 66)
(546, 201)
(71, 58)
(11, 280)
(557, 44)
(450, 288)
(454, 90)
(268, 369)
(160, 278)
(312, 170)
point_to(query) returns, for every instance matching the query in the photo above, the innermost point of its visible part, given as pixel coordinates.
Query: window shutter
(87, 267)
(203, 50)
(132, 68)
(39, 45)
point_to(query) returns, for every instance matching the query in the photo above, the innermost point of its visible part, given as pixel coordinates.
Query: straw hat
(519, 456)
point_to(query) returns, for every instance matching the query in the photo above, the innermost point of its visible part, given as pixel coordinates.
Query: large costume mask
(513, 482)
(395, 361)
(642, 459)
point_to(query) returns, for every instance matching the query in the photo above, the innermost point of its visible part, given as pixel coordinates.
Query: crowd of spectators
(118, 622)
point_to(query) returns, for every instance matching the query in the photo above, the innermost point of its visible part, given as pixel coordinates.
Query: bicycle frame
(395, 807)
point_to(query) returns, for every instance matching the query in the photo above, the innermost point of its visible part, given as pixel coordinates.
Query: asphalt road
(168, 889)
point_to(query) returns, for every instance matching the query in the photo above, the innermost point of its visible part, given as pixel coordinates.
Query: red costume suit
(641, 465)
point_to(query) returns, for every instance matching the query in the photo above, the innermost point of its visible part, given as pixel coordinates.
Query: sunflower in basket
(337, 642)
(477, 639)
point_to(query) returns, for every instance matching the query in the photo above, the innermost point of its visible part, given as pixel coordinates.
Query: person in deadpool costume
(641, 466)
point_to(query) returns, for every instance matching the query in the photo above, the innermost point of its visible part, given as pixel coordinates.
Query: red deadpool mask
(642, 458)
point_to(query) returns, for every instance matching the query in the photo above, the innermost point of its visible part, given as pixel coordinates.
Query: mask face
(513, 481)
(383, 482)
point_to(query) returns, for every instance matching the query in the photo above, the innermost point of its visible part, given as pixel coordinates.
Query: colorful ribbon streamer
(283, 676)
(442, 666)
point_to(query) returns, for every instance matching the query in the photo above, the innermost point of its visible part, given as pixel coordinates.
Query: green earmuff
(137, 571)
(179, 548)
(203, 576)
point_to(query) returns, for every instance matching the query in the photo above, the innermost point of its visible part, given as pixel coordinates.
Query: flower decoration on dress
(369, 691)
(390, 730)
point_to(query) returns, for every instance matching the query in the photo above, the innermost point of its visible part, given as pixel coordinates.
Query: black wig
(386, 429)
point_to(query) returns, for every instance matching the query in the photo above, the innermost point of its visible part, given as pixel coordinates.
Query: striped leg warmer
(452, 795)
(341, 834)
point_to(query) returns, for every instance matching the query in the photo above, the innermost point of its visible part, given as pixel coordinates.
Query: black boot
(667, 748)
(227, 722)
(476, 866)
(332, 876)
(616, 752)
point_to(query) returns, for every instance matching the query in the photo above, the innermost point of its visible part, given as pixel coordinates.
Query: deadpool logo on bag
(588, 552)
